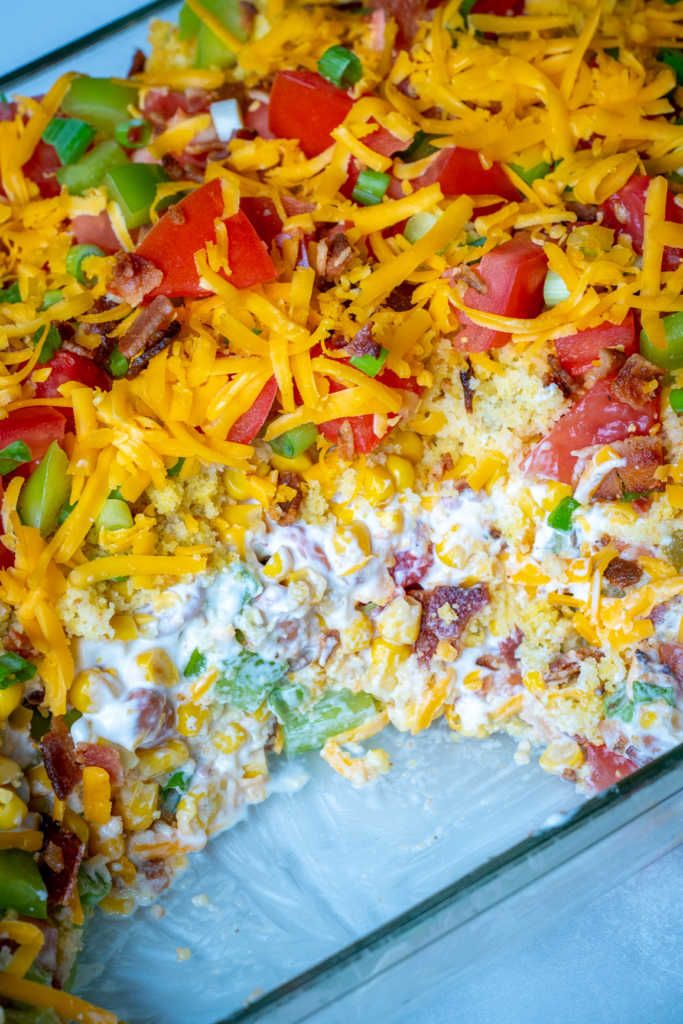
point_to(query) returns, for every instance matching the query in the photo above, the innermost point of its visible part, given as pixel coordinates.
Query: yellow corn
(358, 634)
(125, 870)
(191, 719)
(534, 683)
(74, 822)
(241, 515)
(9, 770)
(278, 565)
(299, 464)
(647, 718)
(386, 659)
(409, 444)
(110, 846)
(96, 795)
(162, 760)
(38, 781)
(355, 533)
(232, 739)
(10, 699)
(560, 755)
(158, 667)
(446, 650)
(402, 472)
(376, 485)
(125, 627)
(487, 470)
(115, 903)
(138, 804)
(399, 622)
(674, 493)
(473, 680)
(256, 767)
(13, 810)
(92, 688)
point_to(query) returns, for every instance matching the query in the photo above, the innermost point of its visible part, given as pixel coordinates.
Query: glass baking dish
(348, 904)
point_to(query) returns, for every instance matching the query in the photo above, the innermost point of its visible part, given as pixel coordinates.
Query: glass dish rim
(393, 929)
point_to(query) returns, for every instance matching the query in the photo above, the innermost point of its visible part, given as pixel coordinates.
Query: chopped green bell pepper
(21, 886)
(310, 728)
(133, 187)
(114, 515)
(670, 356)
(99, 101)
(296, 441)
(45, 491)
(13, 455)
(90, 170)
(14, 669)
(247, 679)
(561, 516)
(211, 52)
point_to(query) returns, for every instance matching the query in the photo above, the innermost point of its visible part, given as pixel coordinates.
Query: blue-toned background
(619, 958)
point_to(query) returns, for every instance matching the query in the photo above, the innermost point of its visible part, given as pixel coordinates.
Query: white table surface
(619, 960)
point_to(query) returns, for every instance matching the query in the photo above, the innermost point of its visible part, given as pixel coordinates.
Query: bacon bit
(175, 170)
(671, 655)
(407, 15)
(339, 255)
(59, 755)
(585, 213)
(631, 383)
(363, 343)
(509, 647)
(61, 860)
(286, 512)
(153, 350)
(137, 64)
(101, 755)
(156, 716)
(469, 275)
(133, 277)
(156, 873)
(162, 104)
(643, 456)
(466, 377)
(411, 567)
(400, 298)
(148, 328)
(17, 642)
(622, 573)
(446, 613)
(559, 377)
(565, 667)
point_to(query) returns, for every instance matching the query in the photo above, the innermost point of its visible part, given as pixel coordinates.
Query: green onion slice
(370, 187)
(554, 289)
(74, 260)
(340, 66)
(196, 664)
(670, 356)
(13, 455)
(296, 441)
(70, 137)
(14, 669)
(133, 134)
(532, 174)
(50, 341)
(118, 364)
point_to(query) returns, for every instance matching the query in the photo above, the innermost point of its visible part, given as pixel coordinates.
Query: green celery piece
(643, 693)
(211, 52)
(309, 728)
(133, 187)
(99, 101)
(114, 515)
(247, 679)
(13, 455)
(294, 442)
(91, 169)
(14, 669)
(21, 886)
(671, 356)
(45, 491)
(94, 883)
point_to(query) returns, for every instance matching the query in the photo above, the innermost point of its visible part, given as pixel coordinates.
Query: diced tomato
(68, 366)
(625, 211)
(460, 172)
(502, 8)
(165, 103)
(95, 229)
(37, 426)
(406, 14)
(186, 228)
(41, 169)
(245, 429)
(597, 418)
(578, 352)
(263, 217)
(606, 766)
(6, 556)
(513, 274)
(305, 106)
(362, 427)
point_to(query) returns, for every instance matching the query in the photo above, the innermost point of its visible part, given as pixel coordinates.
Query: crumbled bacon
(400, 298)
(156, 872)
(101, 755)
(175, 171)
(145, 358)
(161, 104)
(17, 642)
(338, 256)
(133, 278)
(671, 655)
(59, 755)
(446, 613)
(407, 15)
(622, 573)
(643, 457)
(467, 376)
(61, 858)
(410, 567)
(148, 327)
(509, 647)
(633, 383)
(363, 343)
(286, 512)
(559, 377)
(155, 716)
(137, 64)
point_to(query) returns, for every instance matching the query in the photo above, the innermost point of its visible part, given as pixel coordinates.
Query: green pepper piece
(370, 364)
(196, 664)
(247, 679)
(561, 516)
(90, 170)
(674, 550)
(11, 293)
(114, 515)
(670, 357)
(45, 491)
(21, 886)
(13, 455)
(618, 705)
(211, 52)
(118, 364)
(133, 187)
(310, 728)
(643, 693)
(419, 148)
(51, 342)
(94, 883)
(531, 174)
(99, 101)
(14, 669)
(296, 441)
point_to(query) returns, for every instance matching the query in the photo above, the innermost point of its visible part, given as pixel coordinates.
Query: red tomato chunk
(625, 211)
(461, 172)
(305, 106)
(578, 352)
(606, 766)
(38, 427)
(245, 429)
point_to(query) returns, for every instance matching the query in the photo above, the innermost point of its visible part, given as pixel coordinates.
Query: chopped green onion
(247, 679)
(175, 469)
(670, 356)
(14, 669)
(418, 225)
(114, 515)
(11, 293)
(477, 241)
(51, 342)
(419, 148)
(94, 883)
(70, 137)
(45, 491)
(618, 705)
(675, 399)
(561, 516)
(554, 289)
(340, 66)
(309, 728)
(296, 441)
(133, 134)
(51, 297)
(134, 187)
(532, 174)
(65, 512)
(369, 364)
(118, 364)
(674, 58)
(21, 885)
(196, 664)
(13, 455)
(90, 170)
(75, 257)
(370, 187)
(643, 693)
(99, 101)
(466, 7)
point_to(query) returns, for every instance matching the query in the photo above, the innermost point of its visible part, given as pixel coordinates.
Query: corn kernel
(446, 650)
(191, 719)
(299, 464)
(232, 739)
(92, 689)
(402, 472)
(125, 627)
(560, 755)
(9, 770)
(96, 795)
(534, 683)
(138, 802)
(256, 767)
(355, 535)
(158, 667)
(10, 698)
(162, 760)
(13, 810)
(376, 485)
(648, 718)
(117, 904)
(357, 634)
(278, 565)
(399, 622)
(409, 444)
(236, 485)
(124, 869)
(487, 470)
(386, 659)
(473, 680)
(38, 782)
(241, 515)
(75, 823)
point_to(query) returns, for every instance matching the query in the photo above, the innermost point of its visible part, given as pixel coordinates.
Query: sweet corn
(162, 760)
(92, 689)
(376, 485)
(236, 485)
(278, 565)
(75, 823)
(116, 903)
(10, 699)
(399, 622)
(125, 870)
(358, 634)
(256, 767)
(299, 464)
(241, 515)
(355, 534)
(13, 810)
(386, 659)
(38, 782)
(138, 802)
(125, 627)
(234, 737)
(96, 795)
(534, 683)
(158, 667)
(473, 680)
(648, 718)
(402, 472)
(191, 719)
(409, 444)
(561, 755)
(106, 841)
(9, 770)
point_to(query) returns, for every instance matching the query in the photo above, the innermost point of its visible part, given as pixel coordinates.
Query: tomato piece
(6, 556)
(513, 274)
(186, 228)
(502, 8)
(578, 352)
(597, 418)
(41, 169)
(37, 426)
(67, 366)
(247, 426)
(263, 217)
(606, 766)
(305, 106)
(365, 439)
(460, 171)
(95, 229)
(406, 14)
(625, 211)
